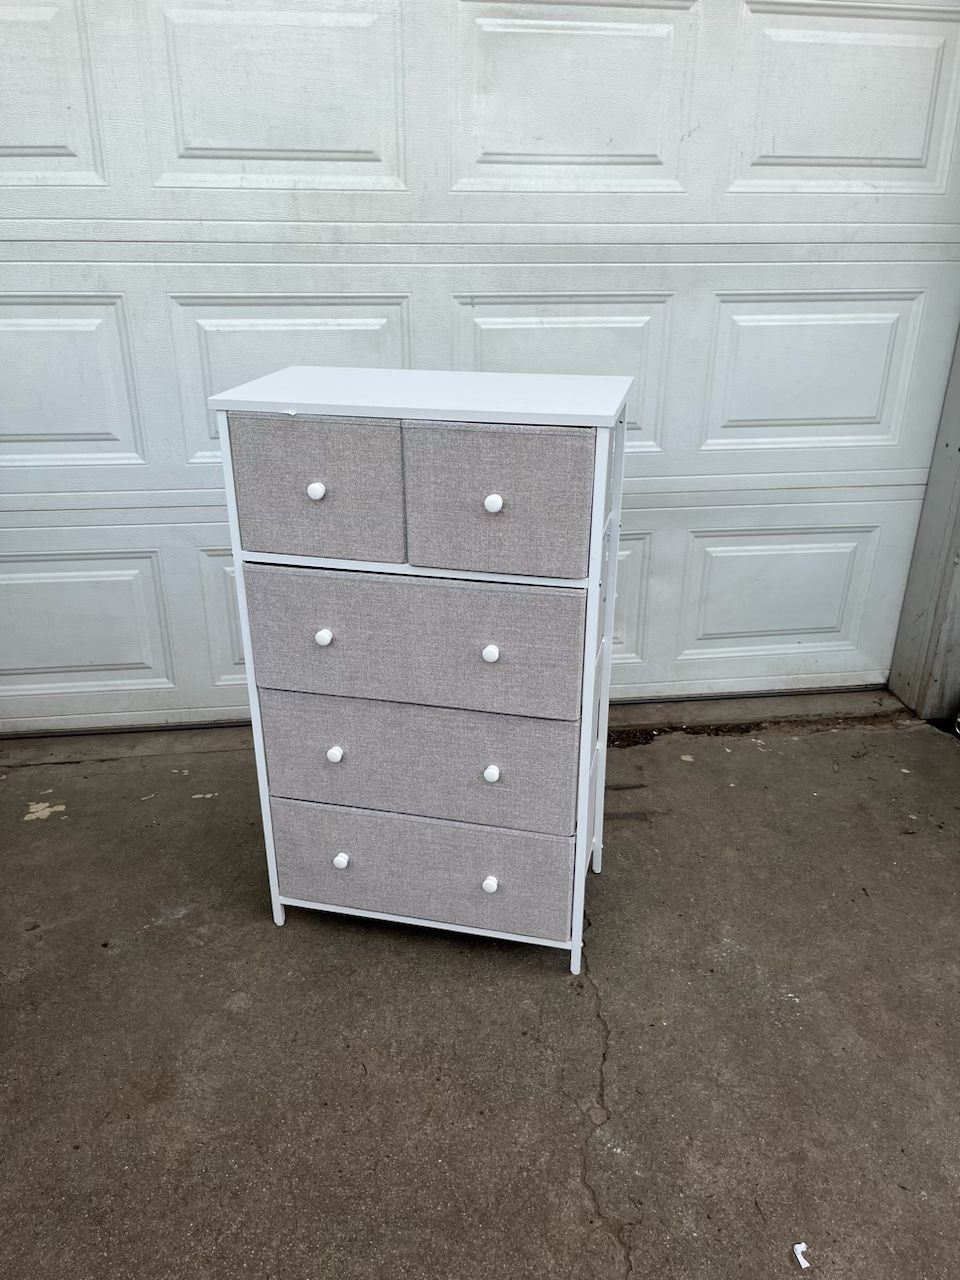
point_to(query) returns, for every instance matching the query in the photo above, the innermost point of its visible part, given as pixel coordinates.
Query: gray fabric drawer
(360, 517)
(426, 869)
(423, 760)
(543, 474)
(408, 639)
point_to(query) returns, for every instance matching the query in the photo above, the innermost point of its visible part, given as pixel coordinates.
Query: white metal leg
(279, 912)
(610, 573)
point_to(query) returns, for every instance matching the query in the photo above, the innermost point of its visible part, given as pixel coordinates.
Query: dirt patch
(640, 737)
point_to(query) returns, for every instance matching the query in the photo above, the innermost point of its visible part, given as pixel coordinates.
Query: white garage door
(751, 207)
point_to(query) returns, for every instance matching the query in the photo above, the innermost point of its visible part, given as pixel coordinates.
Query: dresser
(425, 570)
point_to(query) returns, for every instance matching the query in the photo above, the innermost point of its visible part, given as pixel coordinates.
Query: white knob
(316, 490)
(491, 653)
(490, 885)
(323, 637)
(491, 773)
(335, 755)
(341, 861)
(493, 503)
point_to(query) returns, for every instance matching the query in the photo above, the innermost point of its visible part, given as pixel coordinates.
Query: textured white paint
(751, 207)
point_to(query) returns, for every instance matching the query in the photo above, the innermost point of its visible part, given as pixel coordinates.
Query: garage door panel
(123, 623)
(292, 95)
(779, 594)
(70, 396)
(113, 633)
(800, 371)
(861, 100)
(514, 133)
(89, 401)
(49, 130)
(218, 579)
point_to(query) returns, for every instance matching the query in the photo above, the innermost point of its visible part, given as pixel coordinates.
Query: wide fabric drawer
(424, 868)
(421, 640)
(544, 476)
(353, 468)
(423, 760)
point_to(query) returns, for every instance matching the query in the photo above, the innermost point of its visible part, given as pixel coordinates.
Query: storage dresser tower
(426, 570)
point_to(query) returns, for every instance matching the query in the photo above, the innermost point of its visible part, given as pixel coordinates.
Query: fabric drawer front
(423, 760)
(352, 467)
(405, 639)
(426, 869)
(544, 476)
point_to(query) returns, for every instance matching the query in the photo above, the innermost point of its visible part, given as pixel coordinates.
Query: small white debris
(149, 797)
(913, 816)
(48, 792)
(791, 996)
(205, 795)
(798, 1251)
(728, 750)
(904, 770)
(42, 809)
(687, 759)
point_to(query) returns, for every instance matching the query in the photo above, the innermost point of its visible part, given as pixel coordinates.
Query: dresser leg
(575, 955)
(596, 860)
(279, 913)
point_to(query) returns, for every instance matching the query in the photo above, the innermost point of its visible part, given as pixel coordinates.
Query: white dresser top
(564, 400)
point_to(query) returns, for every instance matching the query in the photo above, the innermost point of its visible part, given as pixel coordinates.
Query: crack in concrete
(616, 1227)
(127, 759)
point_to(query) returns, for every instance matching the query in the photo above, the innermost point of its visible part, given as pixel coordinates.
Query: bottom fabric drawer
(425, 868)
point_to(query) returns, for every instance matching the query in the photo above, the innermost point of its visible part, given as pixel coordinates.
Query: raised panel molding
(223, 341)
(114, 633)
(69, 394)
(49, 132)
(601, 333)
(857, 98)
(224, 642)
(615, 126)
(774, 591)
(816, 369)
(630, 610)
(318, 102)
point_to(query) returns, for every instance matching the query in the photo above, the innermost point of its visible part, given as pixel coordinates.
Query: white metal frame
(595, 685)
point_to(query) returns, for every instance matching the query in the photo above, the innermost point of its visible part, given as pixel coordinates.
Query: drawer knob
(491, 773)
(493, 503)
(323, 637)
(316, 490)
(490, 885)
(335, 755)
(342, 861)
(491, 653)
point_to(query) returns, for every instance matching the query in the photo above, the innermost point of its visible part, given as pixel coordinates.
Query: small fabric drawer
(406, 639)
(543, 474)
(356, 461)
(426, 869)
(428, 761)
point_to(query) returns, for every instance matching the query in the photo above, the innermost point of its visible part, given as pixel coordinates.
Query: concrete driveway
(764, 1048)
